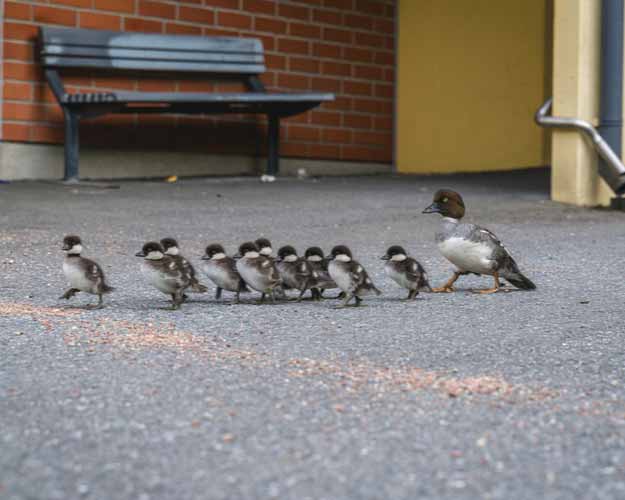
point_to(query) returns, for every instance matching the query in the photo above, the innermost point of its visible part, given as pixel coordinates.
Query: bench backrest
(95, 49)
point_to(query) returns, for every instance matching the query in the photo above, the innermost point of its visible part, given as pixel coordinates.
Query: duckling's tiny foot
(444, 289)
(488, 291)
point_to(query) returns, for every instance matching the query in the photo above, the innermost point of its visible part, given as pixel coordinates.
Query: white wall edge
(22, 161)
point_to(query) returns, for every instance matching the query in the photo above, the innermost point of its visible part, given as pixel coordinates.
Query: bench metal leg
(273, 146)
(71, 146)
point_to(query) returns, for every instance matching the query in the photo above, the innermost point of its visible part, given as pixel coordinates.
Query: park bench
(216, 58)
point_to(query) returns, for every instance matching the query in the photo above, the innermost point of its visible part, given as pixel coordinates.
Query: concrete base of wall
(20, 161)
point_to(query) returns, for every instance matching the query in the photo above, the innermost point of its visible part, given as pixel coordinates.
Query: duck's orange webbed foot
(496, 288)
(449, 286)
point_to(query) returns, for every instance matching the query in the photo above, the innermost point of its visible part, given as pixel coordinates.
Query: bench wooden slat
(152, 65)
(155, 41)
(190, 97)
(150, 55)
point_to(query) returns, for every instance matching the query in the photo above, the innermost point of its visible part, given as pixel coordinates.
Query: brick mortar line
(125, 15)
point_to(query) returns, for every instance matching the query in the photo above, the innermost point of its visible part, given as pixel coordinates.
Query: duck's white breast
(340, 276)
(157, 279)
(468, 255)
(399, 278)
(252, 276)
(76, 277)
(218, 275)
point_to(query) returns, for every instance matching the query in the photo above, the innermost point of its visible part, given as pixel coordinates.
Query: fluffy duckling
(294, 272)
(222, 271)
(170, 245)
(163, 272)
(471, 248)
(405, 271)
(350, 276)
(258, 271)
(84, 275)
(315, 257)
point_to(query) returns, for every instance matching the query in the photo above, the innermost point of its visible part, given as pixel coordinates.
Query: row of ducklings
(253, 268)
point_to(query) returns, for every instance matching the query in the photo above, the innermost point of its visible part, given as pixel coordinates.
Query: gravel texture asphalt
(507, 396)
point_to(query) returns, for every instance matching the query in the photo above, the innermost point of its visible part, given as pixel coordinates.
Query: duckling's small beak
(140, 254)
(205, 257)
(236, 256)
(434, 208)
(385, 257)
(65, 248)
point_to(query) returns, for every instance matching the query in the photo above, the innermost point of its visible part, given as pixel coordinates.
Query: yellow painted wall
(471, 74)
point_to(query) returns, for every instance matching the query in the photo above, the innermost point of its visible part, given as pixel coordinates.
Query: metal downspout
(611, 103)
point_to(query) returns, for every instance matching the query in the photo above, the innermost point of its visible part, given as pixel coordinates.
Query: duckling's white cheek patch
(219, 256)
(266, 251)
(154, 255)
(251, 255)
(172, 251)
(75, 250)
(290, 258)
(398, 257)
(343, 258)
(315, 258)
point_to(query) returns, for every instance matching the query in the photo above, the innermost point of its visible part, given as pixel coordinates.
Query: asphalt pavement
(516, 395)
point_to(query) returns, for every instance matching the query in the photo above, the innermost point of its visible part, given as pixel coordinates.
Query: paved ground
(510, 396)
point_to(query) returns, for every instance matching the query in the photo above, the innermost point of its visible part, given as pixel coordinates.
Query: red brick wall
(340, 46)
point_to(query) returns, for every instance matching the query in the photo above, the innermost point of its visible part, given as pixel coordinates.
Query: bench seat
(283, 105)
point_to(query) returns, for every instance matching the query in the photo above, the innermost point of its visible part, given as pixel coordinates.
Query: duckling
(265, 248)
(84, 275)
(405, 271)
(170, 245)
(471, 248)
(319, 264)
(163, 272)
(222, 271)
(350, 276)
(294, 272)
(258, 271)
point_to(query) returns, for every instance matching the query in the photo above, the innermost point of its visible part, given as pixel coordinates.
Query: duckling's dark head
(342, 253)
(393, 251)
(152, 250)
(212, 250)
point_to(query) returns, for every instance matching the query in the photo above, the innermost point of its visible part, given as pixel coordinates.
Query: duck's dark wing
(303, 269)
(268, 267)
(506, 265)
(185, 265)
(172, 270)
(94, 272)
